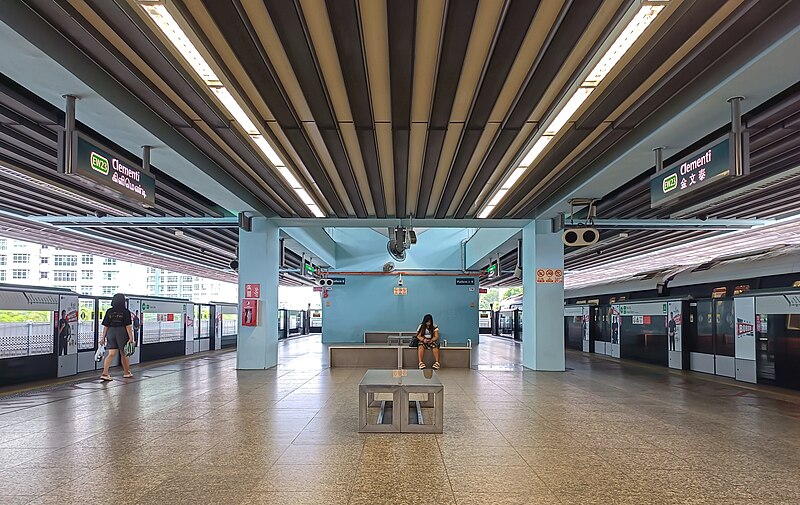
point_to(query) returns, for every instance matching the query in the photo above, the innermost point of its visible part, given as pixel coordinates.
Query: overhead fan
(388, 267)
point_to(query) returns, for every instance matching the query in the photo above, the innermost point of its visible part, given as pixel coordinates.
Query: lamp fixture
(632, 31)
(169, 26)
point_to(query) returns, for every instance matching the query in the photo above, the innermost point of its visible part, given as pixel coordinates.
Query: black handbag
(414, 342)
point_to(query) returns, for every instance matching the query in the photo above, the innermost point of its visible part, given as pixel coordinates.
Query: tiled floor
(197, 431)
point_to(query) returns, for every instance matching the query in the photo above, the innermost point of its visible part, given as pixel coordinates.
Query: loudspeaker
(580, 237)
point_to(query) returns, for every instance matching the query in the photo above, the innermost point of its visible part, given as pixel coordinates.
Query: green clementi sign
(111, 171)
(702, 169)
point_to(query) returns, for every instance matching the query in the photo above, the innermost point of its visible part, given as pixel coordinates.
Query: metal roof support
(680, 224)
(136, 221)
(289, 222)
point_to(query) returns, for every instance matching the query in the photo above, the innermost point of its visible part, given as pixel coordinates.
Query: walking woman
(428, 338)
(117, 331)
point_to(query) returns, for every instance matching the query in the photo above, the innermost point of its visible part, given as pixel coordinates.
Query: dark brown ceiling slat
(402, 20)
(346, 30)
(620, 88)
(516, 22)
(459, 19)
(239, 33)
(288, 22)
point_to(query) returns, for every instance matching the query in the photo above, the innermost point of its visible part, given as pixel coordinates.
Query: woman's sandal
(436, 365)
(128, 375)
(421, 365)
(106, 378)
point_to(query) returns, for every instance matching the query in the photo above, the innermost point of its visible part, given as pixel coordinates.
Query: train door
(67, 335)
(574, 323)
(315, 321)
(190, 328)
(203, 327)
(282, 324)
(711, 346)
(87, 335)
(602, 330)
(135, 306)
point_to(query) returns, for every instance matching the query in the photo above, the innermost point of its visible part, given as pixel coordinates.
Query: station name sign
(111, 171)
(701, 169)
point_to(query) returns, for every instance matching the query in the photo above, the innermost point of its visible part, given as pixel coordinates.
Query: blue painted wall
(367, 303)
(364, 250)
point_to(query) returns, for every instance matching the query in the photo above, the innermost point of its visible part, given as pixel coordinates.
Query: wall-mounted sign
(483, 290)
(102, 166)
(318, 289)
(549, 275)
(465, 281)
(338, 281)
(400, 291)
(703, 168)
(252, 290)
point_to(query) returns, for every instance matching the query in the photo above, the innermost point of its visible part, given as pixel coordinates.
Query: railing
(229, 327)
(162, 331)
(25, 339)
(85, 335)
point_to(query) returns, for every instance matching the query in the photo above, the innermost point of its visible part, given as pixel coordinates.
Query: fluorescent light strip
(580, 96)
(267, 149)
(161, 16)
(519, 172)
(235, 109)
(536, 150)
(626, 39)
(643, 18)
(173, 31)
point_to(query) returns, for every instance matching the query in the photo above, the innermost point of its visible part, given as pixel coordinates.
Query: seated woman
(428, 338)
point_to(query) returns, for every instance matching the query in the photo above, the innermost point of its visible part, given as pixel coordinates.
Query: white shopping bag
(100, 354)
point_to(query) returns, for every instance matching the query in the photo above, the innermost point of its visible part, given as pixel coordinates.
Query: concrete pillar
(259, 249)
(542, 303)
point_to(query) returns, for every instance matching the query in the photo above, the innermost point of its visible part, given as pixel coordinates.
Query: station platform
(195, 430)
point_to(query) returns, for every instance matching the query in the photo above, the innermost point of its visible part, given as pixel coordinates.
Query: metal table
(378, 385)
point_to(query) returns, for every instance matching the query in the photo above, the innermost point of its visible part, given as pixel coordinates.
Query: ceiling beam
(137, 222)
(387, 222)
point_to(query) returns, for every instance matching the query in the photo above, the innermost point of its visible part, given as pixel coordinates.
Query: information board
(702, 169)
(102, 166)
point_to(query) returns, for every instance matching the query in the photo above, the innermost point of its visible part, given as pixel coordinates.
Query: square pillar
(543, 302)
(259, 251)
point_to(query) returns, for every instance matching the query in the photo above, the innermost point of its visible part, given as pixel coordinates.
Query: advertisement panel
(745, 312)
(674, 327)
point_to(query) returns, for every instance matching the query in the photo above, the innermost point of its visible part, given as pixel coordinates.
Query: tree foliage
(488, 298)
(511, 292)
(23, 316)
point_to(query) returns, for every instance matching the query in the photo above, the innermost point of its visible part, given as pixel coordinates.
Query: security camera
(400, 281)
(325, 282)
(234, 264)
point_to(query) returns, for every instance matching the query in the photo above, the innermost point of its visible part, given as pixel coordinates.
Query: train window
(719, 292)
(738, 290)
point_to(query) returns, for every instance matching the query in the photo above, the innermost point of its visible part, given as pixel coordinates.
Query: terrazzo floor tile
(197, 431)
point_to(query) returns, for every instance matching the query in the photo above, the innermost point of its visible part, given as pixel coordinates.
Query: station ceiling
(359, 108)
(400, 107)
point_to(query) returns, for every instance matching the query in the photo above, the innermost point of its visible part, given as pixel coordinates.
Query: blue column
(259, 249)
(542, 303)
